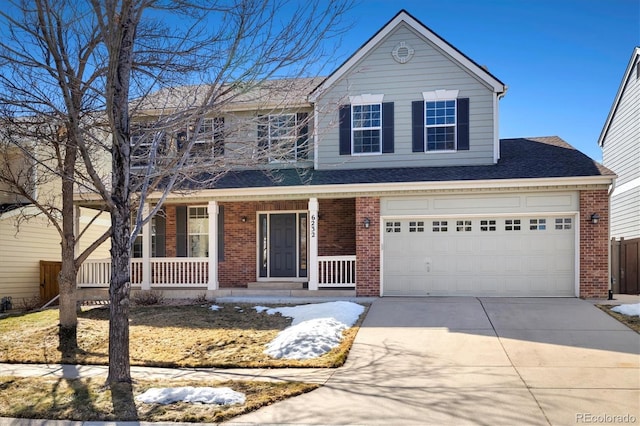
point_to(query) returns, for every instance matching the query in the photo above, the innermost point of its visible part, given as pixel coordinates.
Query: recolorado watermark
(590, 418)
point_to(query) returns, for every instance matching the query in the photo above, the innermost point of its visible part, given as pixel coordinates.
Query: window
(198, 232)
(563, 223)
(366, 126)
(285, 136)
(439, 226)
(416, 226)
(463, 226)
(142, 139)
(537, 224)
(392, 226)
(157, 237)
(440, 123)
(487, 225)
(512, 225)
(208, 137)
(367, 129)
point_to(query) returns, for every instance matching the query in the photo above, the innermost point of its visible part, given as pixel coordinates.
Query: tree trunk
(119, 363)
(119, 75)
(68, 332)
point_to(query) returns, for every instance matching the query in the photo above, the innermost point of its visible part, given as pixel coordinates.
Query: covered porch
(297, 245)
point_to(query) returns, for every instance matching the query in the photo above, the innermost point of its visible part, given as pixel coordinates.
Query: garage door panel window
(512, 225)
(392, 227)
(563, 223)
(487, 225)
(417, 226)
(537, 224)
(463, 226)
(439, 226)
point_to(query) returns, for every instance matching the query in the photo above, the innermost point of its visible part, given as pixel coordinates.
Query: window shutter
(417, 126)
(302, 145)
(220, 233)
(263, 129)
(218, 136)
(344, 116)
(463, 124)
(181, 231)
(161, 236)
(387, 127)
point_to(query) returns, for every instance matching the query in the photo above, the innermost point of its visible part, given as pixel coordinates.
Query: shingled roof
(522, 158)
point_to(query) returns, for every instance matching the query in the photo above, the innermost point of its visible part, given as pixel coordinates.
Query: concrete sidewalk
(449, 361)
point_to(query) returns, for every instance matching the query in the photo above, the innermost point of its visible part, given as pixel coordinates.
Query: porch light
(366, 223)
(243, 219)
(595, 218)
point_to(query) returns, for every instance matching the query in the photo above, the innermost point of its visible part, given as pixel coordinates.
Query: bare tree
(48, 86)
(170, 66)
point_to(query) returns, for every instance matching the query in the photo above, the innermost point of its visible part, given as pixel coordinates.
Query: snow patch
(315, 329)
(631, 309)
(205, 395)
(214, 307)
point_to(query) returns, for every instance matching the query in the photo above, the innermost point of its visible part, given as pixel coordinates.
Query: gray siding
(621, 153)
(428, 70)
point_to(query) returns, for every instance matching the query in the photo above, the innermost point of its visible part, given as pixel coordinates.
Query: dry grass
(166, 336)
(88, 400)
(633, 322)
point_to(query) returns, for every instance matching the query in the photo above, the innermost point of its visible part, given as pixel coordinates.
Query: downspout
(496, 125)
(612, 187)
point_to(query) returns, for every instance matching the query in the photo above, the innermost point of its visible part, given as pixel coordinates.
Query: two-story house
(397, 185)
(620, 144)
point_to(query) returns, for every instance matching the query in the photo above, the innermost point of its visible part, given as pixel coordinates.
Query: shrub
(147, 298)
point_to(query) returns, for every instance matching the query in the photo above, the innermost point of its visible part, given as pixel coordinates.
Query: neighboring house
(398, 185)
(26, 235)
(620, 143)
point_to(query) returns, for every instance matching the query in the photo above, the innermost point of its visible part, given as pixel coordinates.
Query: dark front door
(282, 250)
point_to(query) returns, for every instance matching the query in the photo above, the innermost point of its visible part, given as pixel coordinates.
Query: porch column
(146, 250)
(313, 243)
(213, 245)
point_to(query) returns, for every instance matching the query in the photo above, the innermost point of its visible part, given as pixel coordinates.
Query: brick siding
(594, 244)
(337, 227)
(368, 247)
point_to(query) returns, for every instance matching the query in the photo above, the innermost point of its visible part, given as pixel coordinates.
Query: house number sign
(313, 226)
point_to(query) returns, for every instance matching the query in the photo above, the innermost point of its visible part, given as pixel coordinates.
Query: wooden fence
(625, 259)
(49, 272)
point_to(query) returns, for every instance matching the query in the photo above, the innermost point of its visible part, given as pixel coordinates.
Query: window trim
(298, 137)
(360, 129)
(190, 232)
(453, 126)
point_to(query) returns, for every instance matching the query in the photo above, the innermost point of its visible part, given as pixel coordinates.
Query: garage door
(487, 256)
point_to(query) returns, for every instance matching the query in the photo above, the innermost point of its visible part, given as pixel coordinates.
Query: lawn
(163, 336)
(631, 321)
(166, 335)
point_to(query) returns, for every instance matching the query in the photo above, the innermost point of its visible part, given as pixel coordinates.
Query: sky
(562, 60)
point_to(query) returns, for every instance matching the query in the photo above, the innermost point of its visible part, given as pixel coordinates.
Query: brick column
(594, 244)
(368, 247)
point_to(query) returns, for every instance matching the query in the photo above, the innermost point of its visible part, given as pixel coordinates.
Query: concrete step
(276, 285)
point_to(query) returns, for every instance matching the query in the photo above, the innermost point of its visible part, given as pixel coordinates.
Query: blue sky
(563, 60)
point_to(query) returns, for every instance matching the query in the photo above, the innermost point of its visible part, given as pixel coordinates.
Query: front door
(282, 247)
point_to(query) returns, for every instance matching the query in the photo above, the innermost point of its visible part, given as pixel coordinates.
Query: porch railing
(333, 272)
(165, 272)
(336, 271)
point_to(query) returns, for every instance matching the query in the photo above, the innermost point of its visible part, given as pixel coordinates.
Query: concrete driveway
(477, 361)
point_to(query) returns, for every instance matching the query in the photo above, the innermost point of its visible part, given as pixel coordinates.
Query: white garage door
(488, 256)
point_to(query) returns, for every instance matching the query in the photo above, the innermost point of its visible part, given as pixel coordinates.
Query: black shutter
(181, 231)
(387, 127)
(344, 115)
(462, 118)
(160, 235)
(220, 233)
(218, 136)
(302, 145)
(417, 126)
(263, 129)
